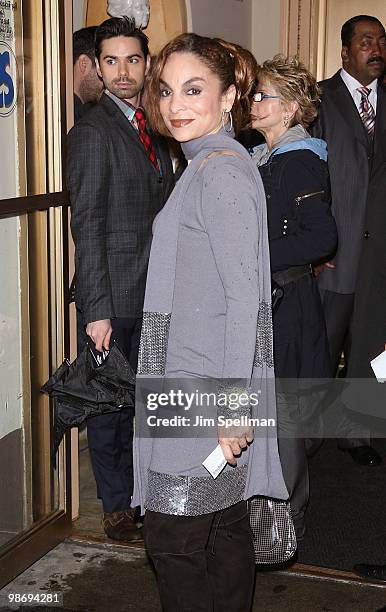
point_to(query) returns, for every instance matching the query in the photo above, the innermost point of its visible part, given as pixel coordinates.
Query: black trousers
(110, 436)
(294, 462)
(338, 311)
(300, 355)
(203, 563)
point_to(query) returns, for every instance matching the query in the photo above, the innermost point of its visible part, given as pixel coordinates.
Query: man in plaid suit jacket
(117, 186)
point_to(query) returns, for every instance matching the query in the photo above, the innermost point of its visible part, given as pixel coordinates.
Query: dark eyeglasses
(259, 96)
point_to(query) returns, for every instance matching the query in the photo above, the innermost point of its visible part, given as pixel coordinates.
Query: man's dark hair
(83, 42)
(120, 26)
(348, 28)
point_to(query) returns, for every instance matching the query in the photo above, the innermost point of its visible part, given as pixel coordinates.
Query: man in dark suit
(119, 177)
(352, 120)
(88, 85)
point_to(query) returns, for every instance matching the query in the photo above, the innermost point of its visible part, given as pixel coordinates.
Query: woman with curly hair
(207, 319)
(302, 233)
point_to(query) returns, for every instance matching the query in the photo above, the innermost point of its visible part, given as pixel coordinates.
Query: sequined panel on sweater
(264, 338)
(153, 345)
(195, 495)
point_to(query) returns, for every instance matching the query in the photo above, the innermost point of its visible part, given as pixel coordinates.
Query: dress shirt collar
(353, 85)
(127, 109)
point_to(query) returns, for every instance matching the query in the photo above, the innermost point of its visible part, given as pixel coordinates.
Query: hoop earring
(230, 122)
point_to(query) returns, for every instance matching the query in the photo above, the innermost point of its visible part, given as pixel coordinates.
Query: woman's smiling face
(191, 101)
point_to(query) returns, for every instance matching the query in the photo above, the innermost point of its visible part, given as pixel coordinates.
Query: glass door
(35, 494)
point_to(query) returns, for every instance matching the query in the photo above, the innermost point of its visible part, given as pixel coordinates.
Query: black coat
(115, 195)
(356, 168)
(369, 319)
(81, 109)
(300, 232)
(358, 184)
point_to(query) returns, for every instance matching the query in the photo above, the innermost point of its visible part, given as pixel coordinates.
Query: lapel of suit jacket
(380, 128)
(163, 156)
(347, 109)
(114, 110)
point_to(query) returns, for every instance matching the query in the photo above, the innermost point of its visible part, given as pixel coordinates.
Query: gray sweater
(207, 317)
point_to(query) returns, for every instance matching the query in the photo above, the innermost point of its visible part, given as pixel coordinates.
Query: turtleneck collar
(218, 140)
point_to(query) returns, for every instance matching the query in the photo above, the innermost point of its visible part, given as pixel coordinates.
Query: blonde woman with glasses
(302, 233)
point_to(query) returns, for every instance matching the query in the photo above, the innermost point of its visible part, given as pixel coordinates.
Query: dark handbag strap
(293, 274)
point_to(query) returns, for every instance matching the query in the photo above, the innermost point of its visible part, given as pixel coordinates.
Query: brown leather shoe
(121, 526)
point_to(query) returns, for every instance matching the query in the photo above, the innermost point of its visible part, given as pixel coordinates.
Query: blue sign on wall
(8, 80)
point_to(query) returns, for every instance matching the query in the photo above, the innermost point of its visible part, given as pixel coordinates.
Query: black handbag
(274, 538)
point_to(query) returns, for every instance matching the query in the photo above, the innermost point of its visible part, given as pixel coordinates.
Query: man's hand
(100, 333)
(319, 269)
(237, 438)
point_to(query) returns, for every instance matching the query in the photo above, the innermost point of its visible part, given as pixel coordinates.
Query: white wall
(229, 19)
(78, 16)
(265, 28)
(254, 24)
(11, 403)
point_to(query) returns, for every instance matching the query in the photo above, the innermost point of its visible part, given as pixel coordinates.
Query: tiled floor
(275, 591)
(92, 574)
(102, 578)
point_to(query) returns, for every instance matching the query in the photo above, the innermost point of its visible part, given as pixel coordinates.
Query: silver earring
(229, 123)
(286, 121)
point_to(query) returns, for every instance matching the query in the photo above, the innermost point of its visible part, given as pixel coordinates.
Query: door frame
(22, 551)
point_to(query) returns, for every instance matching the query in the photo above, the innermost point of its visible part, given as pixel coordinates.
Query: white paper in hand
(215, 462)
(379, 367)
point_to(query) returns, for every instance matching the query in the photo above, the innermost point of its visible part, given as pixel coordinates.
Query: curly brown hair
(232, 64)
(293, 82)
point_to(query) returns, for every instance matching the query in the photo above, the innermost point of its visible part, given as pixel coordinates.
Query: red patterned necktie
(366, 111)
(144, 137)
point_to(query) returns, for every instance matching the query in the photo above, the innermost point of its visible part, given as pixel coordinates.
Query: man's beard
(90, 89)
(131, 90)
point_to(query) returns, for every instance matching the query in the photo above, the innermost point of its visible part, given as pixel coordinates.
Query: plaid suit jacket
(115, 194)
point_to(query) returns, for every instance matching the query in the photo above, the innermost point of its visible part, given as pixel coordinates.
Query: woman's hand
(233, 440)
